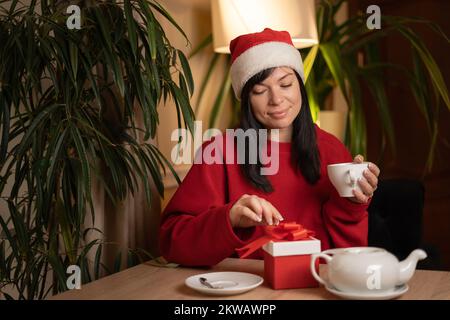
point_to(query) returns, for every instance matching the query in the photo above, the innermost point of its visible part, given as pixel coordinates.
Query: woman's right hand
(251, 210)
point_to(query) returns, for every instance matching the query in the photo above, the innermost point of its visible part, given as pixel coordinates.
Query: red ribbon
(289, 231)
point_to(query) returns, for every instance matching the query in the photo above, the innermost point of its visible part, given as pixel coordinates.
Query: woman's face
(277, 100)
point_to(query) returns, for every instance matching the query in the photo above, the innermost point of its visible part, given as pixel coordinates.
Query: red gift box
(287, 264)
(287, 255)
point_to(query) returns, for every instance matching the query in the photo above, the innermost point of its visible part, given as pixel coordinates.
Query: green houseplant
(333, 63)
(70, 101)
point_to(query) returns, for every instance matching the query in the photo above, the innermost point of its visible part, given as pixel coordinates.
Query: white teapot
(366, 269)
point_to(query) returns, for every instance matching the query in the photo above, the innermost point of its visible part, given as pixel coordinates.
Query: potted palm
(348, 56)
(335, 63)
(71, 104)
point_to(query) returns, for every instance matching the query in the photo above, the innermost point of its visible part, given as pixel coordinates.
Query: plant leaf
(186, 71)
(309, 60)
(206, 79)
(330, 52)
(220, 100)
(203, 44)
(427, 59)
(131, 27)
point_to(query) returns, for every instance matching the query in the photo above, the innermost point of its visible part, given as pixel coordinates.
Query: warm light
(232, 18)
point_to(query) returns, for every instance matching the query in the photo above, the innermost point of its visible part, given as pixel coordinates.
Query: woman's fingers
(250, 214)
(374, 169)
(371, 178)
(262, 205)
(360, 197)
(371, 174)
(271, 214)
(254, 204)
(264, 209)
(252, 210)
(242, 215)
(245, 217)
(277, 213)
(372, 166)
(368, 184)
(366, 188)
(358, 159)
(267, 213)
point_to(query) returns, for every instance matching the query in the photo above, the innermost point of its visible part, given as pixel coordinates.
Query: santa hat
(254, 52)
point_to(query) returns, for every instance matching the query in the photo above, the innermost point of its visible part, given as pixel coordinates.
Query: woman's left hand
(369, 184)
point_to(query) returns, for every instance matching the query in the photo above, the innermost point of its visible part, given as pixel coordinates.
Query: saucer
(398, 291)
(228, 283)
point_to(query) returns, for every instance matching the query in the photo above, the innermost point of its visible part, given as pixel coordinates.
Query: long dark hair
(304, 150)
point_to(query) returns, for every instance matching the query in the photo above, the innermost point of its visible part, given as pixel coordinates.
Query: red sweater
(196, 230)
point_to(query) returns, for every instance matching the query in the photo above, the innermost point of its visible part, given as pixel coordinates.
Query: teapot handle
(313, 266)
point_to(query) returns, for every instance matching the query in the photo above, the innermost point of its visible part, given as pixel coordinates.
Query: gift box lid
(289, 248)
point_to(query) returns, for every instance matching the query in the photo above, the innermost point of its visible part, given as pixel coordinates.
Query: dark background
(411, 133)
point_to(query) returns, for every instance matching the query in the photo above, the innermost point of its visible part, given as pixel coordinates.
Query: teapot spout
(408, 266)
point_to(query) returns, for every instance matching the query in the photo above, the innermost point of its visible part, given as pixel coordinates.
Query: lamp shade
(231, 18)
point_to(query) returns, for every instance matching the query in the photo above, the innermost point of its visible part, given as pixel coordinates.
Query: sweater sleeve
(345, 221)
(195, 228)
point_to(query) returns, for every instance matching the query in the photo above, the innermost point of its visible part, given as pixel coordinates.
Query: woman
(221, 207)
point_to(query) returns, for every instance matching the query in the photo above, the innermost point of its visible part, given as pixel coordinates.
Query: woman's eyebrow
(285, 76)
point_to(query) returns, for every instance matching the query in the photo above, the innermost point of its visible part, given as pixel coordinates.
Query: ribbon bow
(289, 231)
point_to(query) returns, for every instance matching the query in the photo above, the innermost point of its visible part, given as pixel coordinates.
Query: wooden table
(146, 281)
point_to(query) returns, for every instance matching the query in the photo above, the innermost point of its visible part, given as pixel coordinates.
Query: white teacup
(345, 176)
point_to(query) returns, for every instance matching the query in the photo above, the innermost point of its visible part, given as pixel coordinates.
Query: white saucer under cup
(375, 295)
(231, 283)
